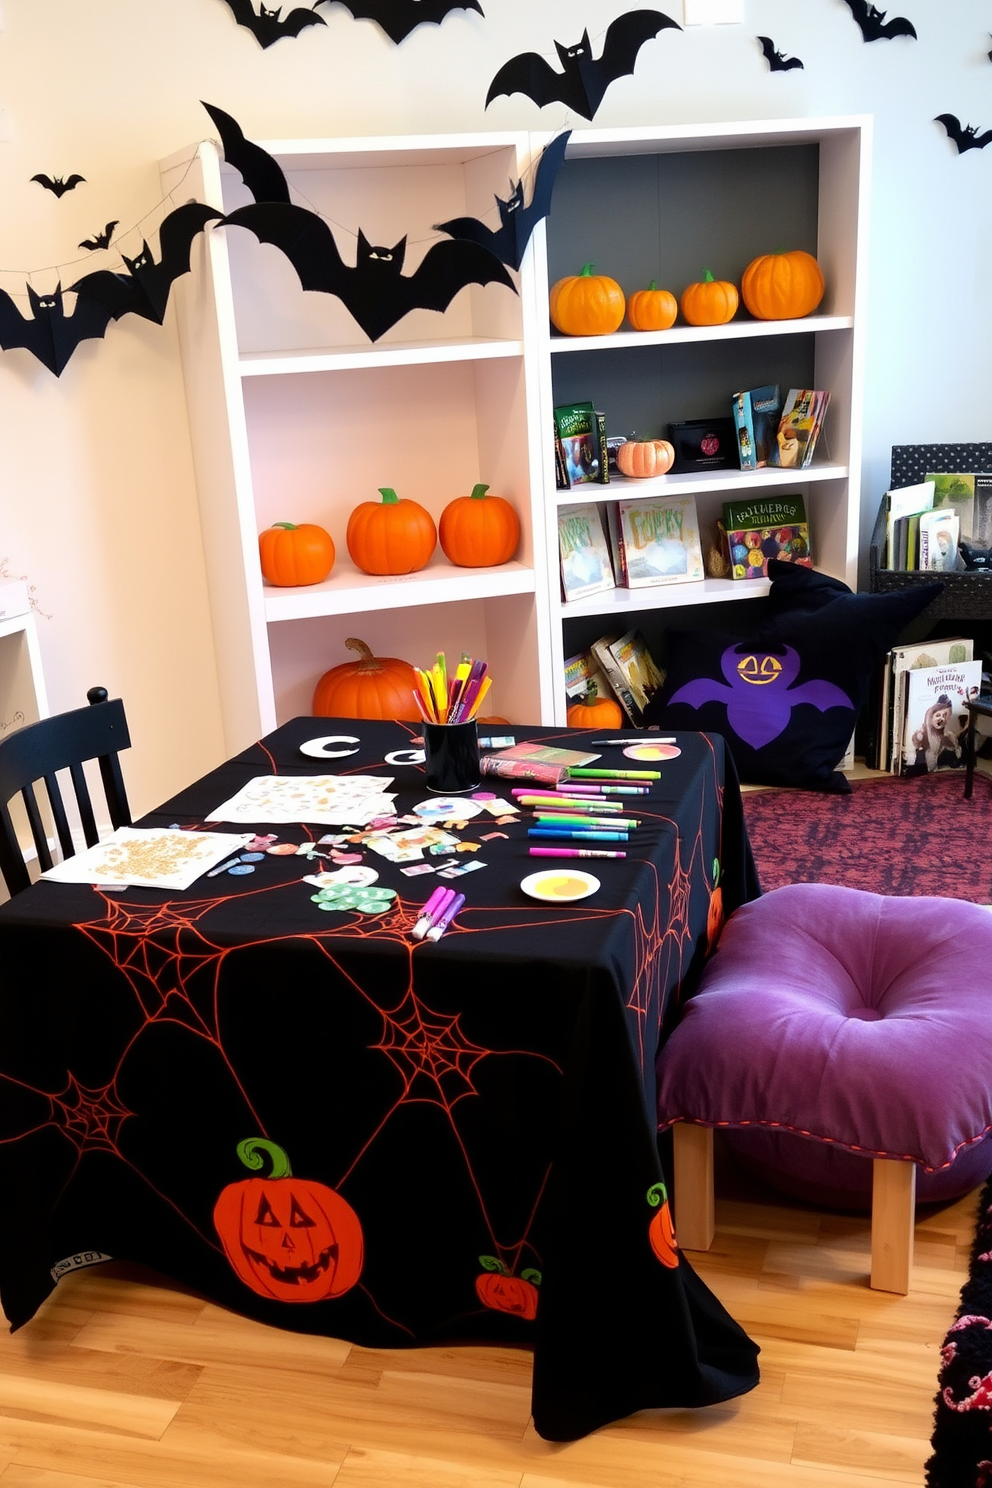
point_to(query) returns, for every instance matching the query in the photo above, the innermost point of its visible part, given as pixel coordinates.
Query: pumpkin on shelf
(592, 711)
(372, 687)
(293, 554)
(641, 458)
(652, 309)
(782, 286)
(587, 304)
(709, 301)
(391, 536)
(479, 531)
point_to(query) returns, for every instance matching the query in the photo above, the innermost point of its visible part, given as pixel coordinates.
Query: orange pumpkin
(709, 301)
(287, 1238)
(587, 304)
(497, 1289)
(479, 531)
(652, 309)
(390, 536)
(293, 555)
(782, 286)
(661, 1231)
(372, 687)
(644, 457)
(592, 711)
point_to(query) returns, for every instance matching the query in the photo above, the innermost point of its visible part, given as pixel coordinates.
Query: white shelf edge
(407, 354)
(689, 484)
(686, 335)
(350, 592)
(622, 602)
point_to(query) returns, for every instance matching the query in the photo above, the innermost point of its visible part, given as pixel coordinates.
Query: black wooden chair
(35, 752)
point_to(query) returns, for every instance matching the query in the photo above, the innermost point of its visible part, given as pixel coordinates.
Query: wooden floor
(122, 1380)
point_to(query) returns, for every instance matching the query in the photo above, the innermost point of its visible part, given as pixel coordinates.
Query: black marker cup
(452, 756)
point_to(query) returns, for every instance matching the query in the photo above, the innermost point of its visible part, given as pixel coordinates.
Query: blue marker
(577, 836)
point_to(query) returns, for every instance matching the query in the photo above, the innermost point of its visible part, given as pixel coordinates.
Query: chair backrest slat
(86, 817)
(37, 826)
(58, 815)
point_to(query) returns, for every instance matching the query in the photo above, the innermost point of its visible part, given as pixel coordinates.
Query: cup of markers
(448, 707)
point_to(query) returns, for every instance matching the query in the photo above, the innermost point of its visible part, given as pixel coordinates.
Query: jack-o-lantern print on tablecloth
(501, 1291)
(714, 919)
(289, 1238)
(661, 1231)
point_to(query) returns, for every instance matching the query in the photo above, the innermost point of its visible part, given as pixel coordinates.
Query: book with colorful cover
(658, 541)
(584, 551)
(917, 656)
(577, 430)
(939, 534)
(582, 671)
(799, 428)
(756, 417)
(901, 503)
(763, 528)
(640, 671)
(936, 723)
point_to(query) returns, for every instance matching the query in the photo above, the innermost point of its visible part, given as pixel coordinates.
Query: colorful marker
(591, 774)
(572, 834)
(573, 852)
(435, 905)
(445, 918)
(644, 739)
(563, 819)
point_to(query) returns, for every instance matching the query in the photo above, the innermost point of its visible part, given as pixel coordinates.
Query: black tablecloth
(469, 1124)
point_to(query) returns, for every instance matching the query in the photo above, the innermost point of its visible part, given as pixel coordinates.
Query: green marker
(615, 774)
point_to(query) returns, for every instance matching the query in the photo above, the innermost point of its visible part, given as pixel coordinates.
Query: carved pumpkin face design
(289, 1238)
(758, 669)
(502, 1292)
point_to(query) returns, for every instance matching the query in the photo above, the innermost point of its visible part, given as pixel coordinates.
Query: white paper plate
(440, 808)
(560, 885)
(325, 748)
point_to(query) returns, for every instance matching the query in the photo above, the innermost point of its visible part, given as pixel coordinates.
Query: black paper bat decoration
(50, 334)
(144, 289)
(260, 172)
(874, 26)
(965, 137)
(517, 221)
(269, 26)
(399, 17)
(375, 292)
(57, 184)
(777, 61)
(584, 79)
(100, 240)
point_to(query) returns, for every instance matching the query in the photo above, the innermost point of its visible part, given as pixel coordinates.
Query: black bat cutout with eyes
(582, 83)
(261, 174)
(517, 221)
(144, 289)
(399, 17)
(57, 185)
(777, 61)
(48, 333)
(100, 240)
(966, 137)
(874, 26)
(269, 26)
(375, 291)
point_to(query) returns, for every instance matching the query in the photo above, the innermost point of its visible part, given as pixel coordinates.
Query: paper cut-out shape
(399, 17)
(50, 334)
(269, 26)
(375, 291)
(144, 289)
(584, 79)
(777, 61)
(966, 137)
(57, 184)
(100, 240)
(517, 221)
(261, 174)
(874, 26)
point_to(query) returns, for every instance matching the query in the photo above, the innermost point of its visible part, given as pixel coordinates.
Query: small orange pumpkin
(497, 1289)
(661, 1231)
(782, 286)
(479, 531)
(709, 301)
(587, 304)
(592, 711)
(652, 309)
(372, 687)
(293, 555)
(390, 536)
(644, 457)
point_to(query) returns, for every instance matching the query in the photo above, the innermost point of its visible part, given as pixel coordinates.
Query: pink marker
(572, 852)
(435, 906)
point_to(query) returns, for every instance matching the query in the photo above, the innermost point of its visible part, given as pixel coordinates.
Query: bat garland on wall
(144, 289)
(100, 240)
(874, 26)
(777, 61)
(517, 221)
(57, 184)
(269, 26)
(399, 17)
(582, 83)
(48, 333)
(262, 175)
(965, 137)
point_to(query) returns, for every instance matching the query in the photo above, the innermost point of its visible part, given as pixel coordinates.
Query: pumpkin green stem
(478, 492)
(657, 1194)
(251, 1152)
(388, 495)
(289, 526)
(591, 693)
(531, 1275)
(707, 277)
(653, 284)
(587, 269)
(492, 1263)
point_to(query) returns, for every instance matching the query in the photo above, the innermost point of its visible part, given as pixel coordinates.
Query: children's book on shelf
(756, 416)
(583, 671)
(937, 716)
(901, 504)
(969, 493)
(584, 551)
(577, 428)
(763, 528)
(799, 428)
(946, 651)
(630, 670)
(655, 540)
(939, 532)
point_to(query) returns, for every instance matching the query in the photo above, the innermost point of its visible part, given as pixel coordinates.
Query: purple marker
(445, 918)
(435, 904)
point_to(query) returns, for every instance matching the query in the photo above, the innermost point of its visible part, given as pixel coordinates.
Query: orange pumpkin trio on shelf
(394, 536)
(709, 301)
(372, 687)
(587, 304)
(479, 531)
(652, 309)
(293, 555)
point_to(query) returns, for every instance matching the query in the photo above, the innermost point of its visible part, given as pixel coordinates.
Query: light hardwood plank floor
(124, 1380)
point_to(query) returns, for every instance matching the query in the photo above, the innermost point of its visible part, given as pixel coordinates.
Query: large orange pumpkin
(287, 1238)
(587, 304)
(391, 536)
(782, 286)
(497, 1289)
(372, 687)
(652, 309)
(479, 531)
(709, 301)
(661, 1231)
(292, 555)
(645, 457)
(592, 711)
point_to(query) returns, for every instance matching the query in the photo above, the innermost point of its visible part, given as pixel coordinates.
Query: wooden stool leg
(695, 1220)
(893, 1215)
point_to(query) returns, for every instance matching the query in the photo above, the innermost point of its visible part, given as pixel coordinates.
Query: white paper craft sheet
(155, 858)
(331, 800)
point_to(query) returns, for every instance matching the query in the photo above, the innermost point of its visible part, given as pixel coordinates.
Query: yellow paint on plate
(562, 885)
(653, 751)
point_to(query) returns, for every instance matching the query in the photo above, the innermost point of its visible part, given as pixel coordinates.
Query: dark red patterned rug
(915, 835)
(962, 1433)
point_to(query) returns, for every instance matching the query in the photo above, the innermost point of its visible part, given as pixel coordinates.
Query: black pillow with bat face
(786, 698)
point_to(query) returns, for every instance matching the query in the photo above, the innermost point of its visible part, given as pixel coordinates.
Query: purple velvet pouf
(832, 1022)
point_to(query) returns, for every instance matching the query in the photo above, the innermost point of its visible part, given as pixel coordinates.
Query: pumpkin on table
(592, 711)
(391, 536)
(372, 687)
(292, 554)
(641, 458)
(587, 304)
(709, 301)
(782, 286)
(652, 309)
(479, 531)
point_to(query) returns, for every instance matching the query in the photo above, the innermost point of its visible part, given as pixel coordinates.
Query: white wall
(97, 500)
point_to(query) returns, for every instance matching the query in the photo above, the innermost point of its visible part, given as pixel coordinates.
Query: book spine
(617, 680)
(604, 458)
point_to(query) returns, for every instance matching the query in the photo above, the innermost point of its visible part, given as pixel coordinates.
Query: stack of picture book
(768, 527)
(770, 432)
(581, 455)
(918, 717)
(629, 669)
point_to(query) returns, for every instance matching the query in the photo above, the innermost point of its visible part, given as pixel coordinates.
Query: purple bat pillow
(787, 697)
